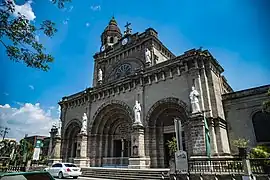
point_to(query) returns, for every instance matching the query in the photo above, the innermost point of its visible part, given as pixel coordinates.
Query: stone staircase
(123, 173)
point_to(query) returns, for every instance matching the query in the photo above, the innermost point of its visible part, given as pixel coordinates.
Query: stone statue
(137, 112)
(59, 127)
(54, 126)
(194, 100)
(84, 124)
(147, 55)
(100, 75)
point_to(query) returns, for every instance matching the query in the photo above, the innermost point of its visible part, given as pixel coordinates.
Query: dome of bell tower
(111, 34)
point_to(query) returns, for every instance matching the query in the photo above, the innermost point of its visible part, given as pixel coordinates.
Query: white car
(62, 170)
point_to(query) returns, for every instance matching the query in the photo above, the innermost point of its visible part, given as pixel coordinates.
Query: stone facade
(162, 87)
(240, 108)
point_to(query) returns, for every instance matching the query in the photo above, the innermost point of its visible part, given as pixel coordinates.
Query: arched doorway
(261, 124)
(161, 128)
(111, 136)
(70, 140)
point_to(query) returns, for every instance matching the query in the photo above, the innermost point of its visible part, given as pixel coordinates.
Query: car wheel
(60, 175)
(75, 177)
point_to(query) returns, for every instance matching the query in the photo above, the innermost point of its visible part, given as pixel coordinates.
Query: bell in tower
(111, 34)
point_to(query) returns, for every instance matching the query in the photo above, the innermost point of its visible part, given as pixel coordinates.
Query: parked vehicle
(34, 175)
(63, 170)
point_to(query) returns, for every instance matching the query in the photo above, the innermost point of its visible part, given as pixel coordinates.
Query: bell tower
(110, 35)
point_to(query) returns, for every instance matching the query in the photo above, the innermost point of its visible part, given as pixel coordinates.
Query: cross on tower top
(128, 29)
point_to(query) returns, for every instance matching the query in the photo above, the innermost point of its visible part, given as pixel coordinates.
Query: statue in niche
(147, 56)
(100, 75)
(137, 112)
(194, 100)
(84, 124)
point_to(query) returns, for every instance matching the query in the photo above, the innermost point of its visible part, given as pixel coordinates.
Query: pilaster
(213, 138)
(222, 138)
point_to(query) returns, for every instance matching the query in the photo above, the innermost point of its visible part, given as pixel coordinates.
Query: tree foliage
(18, 36)
(172, 145)
(16, 153)
(6, 147)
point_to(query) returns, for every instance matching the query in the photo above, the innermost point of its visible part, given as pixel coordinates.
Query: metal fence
(228, 166)
(12, 168)
(217, 165)
(260, 166)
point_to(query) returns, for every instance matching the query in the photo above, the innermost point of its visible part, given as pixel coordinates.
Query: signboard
(181, 162)
(38, 144)
(36, 154)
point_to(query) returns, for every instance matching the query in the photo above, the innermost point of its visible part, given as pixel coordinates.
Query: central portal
(111, 134)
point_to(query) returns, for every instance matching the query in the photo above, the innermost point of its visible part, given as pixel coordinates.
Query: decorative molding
(73, 121)
(171, 100)
(167, 69)
(110, 103)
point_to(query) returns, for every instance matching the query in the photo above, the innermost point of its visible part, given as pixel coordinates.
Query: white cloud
(31, 87)
(5, 106)
(70, 8)
(28, 119)
(51, 107)
(96, 8)
(25, 10)
(87, 24)
(66, 21)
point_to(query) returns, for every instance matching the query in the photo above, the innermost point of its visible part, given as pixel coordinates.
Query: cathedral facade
(138, 80)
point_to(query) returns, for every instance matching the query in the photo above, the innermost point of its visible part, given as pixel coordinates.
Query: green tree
(18, 36)
(266, 104)
(6, 147)
(172, 145)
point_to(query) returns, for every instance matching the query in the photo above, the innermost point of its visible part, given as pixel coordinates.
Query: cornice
(246, 93)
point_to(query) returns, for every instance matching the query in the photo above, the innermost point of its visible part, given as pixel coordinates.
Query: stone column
(112, 149)
(122, 147)
(138, 160)
(106, 149)
(82, 159)
(153, 147)
(54, 147)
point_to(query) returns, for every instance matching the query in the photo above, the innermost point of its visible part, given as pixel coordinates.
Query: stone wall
(239, 109)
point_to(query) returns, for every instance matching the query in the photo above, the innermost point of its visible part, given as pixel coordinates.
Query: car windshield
(70, 165)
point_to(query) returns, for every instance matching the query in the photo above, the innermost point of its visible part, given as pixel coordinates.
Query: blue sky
(235, 32)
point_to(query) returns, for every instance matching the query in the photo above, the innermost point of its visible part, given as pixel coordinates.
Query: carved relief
(124, 68)
(124, 130)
